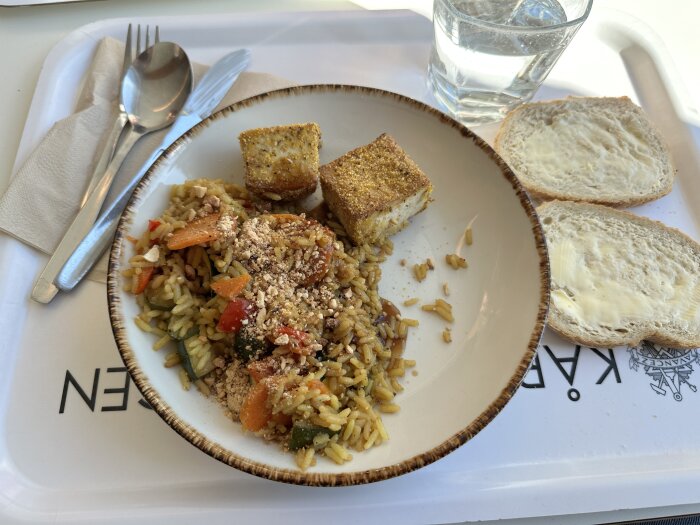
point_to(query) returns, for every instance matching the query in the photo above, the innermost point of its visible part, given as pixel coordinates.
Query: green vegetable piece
(303, 434)
(155, 303)
(185, 360)
(190, 333)
(248, 347)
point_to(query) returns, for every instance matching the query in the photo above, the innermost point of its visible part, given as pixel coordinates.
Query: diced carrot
(263, 368)
(255, 412)
(196, 232)
(143, 279)
(318, 267)
(231, 288)
(315, 384)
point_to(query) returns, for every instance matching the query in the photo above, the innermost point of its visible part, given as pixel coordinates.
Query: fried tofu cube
(281, 162)
(375, 189)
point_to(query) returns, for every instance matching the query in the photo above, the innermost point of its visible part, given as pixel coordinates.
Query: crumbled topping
(153, 254)
(233, 386)
(287, 258)
(282, 340)
(227, 226)
(212, 201)
(199, 191)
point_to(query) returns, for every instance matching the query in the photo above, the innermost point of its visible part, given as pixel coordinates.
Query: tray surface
(78, 444)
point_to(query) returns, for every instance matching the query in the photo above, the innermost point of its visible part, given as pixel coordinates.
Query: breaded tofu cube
(281, 162)
(375, 189)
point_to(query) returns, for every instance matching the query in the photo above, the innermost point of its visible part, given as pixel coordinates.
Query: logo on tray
(670, 368)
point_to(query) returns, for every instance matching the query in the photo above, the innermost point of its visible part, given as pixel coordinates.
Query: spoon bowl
(156, 86)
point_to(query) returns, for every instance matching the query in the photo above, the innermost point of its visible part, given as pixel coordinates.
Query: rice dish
(274, 313)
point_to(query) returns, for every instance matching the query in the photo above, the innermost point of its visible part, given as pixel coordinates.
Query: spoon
(154, 91)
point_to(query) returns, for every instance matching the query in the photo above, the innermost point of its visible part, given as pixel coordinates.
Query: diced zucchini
(190, 333)
(247, 347)
(155, 303)
(303, 434)
(183, 352)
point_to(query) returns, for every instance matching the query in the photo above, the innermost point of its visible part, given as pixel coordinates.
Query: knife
(205, 97)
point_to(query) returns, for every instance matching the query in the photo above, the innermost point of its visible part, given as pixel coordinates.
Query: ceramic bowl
(500, 301)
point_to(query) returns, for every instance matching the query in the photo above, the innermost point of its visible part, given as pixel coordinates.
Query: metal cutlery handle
(96, 242)
(106, 156)
(45, 289)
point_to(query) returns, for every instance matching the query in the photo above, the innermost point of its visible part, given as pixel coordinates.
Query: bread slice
(600, 150)
(375, 189)
(618, 278)
(281, 162)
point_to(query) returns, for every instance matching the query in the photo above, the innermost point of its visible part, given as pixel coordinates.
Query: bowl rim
(298, 477)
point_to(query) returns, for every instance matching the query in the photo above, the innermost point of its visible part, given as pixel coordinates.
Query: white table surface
(28, 33)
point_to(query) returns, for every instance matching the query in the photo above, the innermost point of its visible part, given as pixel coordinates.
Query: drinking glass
(489, 56)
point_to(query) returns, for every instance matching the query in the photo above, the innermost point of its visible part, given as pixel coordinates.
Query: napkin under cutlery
(44, 195)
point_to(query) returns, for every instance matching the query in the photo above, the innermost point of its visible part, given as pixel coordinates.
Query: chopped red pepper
(153, 224)
(299, 341)
(293, 333)
(234, 314)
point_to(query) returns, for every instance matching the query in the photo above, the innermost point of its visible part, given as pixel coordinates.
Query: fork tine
(147, 38)
(138, 40)
(127, 52)
(157, 39)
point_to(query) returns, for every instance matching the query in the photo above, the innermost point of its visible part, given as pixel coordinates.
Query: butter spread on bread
(618, 278)
(601, 150)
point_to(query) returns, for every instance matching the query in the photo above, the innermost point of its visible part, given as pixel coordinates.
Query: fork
(120, 122)
(44, 288)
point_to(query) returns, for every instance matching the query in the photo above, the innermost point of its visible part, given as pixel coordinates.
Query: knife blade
(205, 97)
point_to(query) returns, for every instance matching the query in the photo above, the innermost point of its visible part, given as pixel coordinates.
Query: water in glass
(489, 56)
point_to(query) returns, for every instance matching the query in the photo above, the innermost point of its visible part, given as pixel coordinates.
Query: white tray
(621, 445)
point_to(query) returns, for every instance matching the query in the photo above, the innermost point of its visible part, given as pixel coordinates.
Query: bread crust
(544, 193)
(560, 323)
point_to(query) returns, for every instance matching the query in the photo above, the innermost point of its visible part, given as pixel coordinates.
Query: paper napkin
(44, 195)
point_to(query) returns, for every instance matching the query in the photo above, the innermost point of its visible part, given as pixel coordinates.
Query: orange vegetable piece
(320, 265)
(231, 288)
(321, 268)
(315, 384)
(255, 412)
(143, 279)
(196, 232)
(263, 368)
